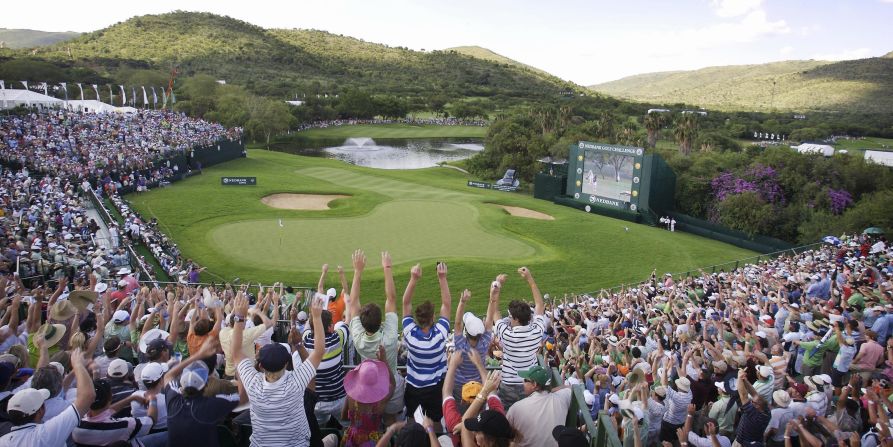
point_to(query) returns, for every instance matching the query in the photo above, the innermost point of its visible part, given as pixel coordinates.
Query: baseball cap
(28, 401)
(273, 357)
(155, 347)
(470, 390)
(120, 316)
(331, 293)
(151, 372)
(569, 437)
(537, 374)
(302, 316)
(118, 368)
(492, 423)
(473, 325)
(194, 376)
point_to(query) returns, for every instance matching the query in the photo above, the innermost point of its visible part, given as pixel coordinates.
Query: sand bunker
(314, 202)
(524, 212)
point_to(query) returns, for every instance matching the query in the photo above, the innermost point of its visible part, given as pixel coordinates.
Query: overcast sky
(586, 42)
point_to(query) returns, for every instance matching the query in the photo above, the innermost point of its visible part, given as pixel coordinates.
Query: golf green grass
(385, 131)
(425, 216)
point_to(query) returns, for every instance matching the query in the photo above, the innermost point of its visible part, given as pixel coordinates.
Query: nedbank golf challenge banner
(238, 181)
(605, 174)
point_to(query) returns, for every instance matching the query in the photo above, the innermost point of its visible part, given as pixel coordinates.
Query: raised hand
(466, 294)
(441, 270)
(501, 278)
(524, 272)
(340, 269)
(316, 308)
(325, 268)
(386, 260)
(492, 382)
(710, 429)
(359, 260)
(416, 271)
(240, 306)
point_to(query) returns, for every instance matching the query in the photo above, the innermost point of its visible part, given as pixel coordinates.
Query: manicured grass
(425, 216)
(393, 131)
(870, 143)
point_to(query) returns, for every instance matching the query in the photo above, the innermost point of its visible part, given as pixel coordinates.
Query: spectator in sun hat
(368, 387)
(544, 405)
(26, 411)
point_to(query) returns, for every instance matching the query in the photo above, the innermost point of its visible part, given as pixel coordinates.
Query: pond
(415, 153)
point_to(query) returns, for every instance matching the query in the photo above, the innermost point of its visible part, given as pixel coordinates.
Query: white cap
(58, 367)
(764, 370)
(118, 368)
(100, 287)
(120, 316)
(331, 293)
(124, 271)
(302, 316)
(151, 372)
(588, 397)
(28, 401)
(761, 334)
(122, 283)
(473, 325)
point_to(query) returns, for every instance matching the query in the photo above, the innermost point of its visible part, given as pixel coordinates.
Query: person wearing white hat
(845, 355)
(26, 410)
(470, 334)
(765, 382)
(151, 376)
(781, 415)
(723, 411)
(816, 397)
(677, 405)
(656, 408)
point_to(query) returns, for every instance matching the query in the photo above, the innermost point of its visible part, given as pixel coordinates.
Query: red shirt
(452, 417)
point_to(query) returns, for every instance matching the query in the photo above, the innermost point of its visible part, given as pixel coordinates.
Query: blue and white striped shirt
(426, 360)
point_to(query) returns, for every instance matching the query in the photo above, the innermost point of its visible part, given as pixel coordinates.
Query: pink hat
(368, 383)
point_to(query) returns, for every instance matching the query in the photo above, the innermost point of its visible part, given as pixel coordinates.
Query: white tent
(90, 106)
(880, 157)
(812, 148)
(11, 98)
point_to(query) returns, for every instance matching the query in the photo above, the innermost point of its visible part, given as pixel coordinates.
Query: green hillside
(285, 62)
(864, 85)
(489, 55)
(27, 38)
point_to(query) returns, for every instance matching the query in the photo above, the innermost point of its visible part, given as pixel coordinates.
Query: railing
(132, 256)
(723, 267)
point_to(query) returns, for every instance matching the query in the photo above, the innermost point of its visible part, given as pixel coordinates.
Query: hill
(26, 38)
(489, 55)
(279, 62)
(864, 85)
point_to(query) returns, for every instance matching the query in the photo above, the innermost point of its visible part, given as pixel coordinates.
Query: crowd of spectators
(793, 351)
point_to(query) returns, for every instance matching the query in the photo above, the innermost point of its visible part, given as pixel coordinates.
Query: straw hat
(81, 299)
(52, 333)
(683, 384)
(62, 310)
(781, 398)
(368, 383)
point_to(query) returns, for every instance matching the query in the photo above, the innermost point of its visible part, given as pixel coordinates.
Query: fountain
(359, 142)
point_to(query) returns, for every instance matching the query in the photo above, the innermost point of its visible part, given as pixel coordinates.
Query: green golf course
(424, 216)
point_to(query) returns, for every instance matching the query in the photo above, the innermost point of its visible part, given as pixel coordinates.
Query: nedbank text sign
(238, 181)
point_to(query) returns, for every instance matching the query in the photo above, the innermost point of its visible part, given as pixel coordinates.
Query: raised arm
(359, 262)
(209, 348)
(460, 310)
(343, 280)
(319, 341)
(414, 274)
(743, 384)
(493, 305)
(446, 300)
(537, 296)
(320, 286)
(390, 290)
(85, 392)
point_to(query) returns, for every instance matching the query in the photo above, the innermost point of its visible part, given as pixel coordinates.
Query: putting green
(418, 227)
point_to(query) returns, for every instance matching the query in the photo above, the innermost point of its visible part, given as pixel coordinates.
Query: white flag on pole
(45, 93)
(25, 83)
(123, 96)
(280, 223)
(145, 98)
(81, 86)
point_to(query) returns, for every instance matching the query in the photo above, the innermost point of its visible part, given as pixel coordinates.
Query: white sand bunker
(288, 201)
(524, 212)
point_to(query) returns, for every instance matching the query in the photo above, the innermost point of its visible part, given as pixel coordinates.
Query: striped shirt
(467, 371)
(519, 346)
(330, 374)
(426, 352)
(103, 429)
(277, 408)
(677, 406)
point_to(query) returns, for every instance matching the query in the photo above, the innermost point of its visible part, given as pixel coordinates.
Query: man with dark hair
(111, 347)
(48, 378)
(330, 373)
(520, 334)
(367, 331)
(26, 411)
(275, 394)
(100, 427)
(755, 414)
(426, 345)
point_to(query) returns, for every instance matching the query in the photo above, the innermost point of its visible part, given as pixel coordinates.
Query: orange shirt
(194, 342)
(336, 308)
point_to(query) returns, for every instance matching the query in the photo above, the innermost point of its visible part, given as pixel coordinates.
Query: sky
(587, 42)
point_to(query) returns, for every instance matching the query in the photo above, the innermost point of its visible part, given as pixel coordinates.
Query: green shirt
(288, 299)
(34, 353)
(724, 419)
(367, 345)
(813, 353)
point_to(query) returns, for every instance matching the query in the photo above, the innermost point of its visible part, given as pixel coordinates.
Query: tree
(653, 123)
(686, 132)
(266, 118)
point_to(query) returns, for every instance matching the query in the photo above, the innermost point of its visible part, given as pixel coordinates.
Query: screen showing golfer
(608, 175)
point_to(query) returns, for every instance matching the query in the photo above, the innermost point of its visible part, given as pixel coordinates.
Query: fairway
(425, 216)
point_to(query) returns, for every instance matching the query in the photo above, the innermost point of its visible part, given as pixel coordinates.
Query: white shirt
(277, 408)
(51, 433)
(139, 410)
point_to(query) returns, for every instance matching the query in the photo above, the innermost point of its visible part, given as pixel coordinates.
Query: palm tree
(653, 123)
(686, 132)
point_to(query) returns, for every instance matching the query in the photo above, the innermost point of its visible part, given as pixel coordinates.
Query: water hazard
(415, 153)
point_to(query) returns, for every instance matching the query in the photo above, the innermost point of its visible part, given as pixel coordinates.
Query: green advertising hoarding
(606, 175)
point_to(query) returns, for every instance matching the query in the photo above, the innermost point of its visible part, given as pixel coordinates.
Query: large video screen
(608, 175)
